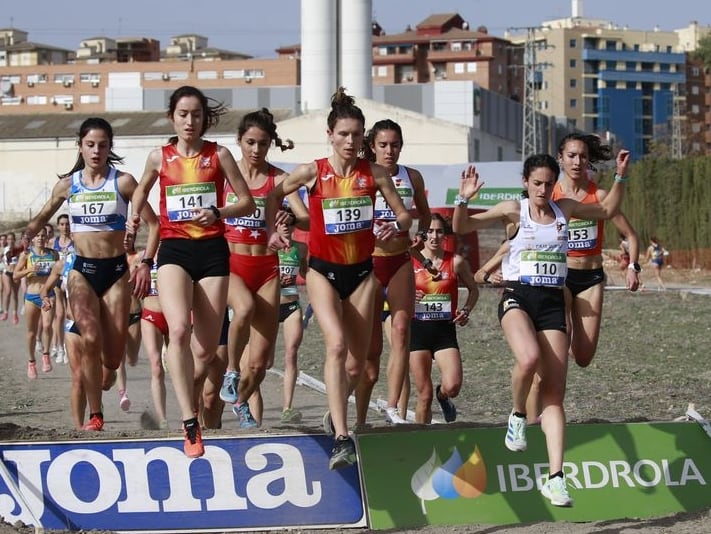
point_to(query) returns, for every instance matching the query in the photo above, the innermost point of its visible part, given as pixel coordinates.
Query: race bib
(538, 268)
(255, 220)
(434, 308)
(382, 209)
(43, 267)
(347, 215)
(582, 235)
(181, 200)
(94, 207)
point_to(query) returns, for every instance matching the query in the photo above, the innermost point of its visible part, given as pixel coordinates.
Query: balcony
(406, 58)
(456, 55)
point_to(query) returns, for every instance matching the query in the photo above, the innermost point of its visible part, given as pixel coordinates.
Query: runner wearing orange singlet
(340, 280)
(193, 254)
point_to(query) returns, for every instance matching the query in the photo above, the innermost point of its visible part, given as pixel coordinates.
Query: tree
(703, 50)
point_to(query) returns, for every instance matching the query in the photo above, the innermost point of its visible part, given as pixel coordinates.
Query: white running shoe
(392, 416)
(516, 434)
(54, 353)
(556, 491)
(65, 357)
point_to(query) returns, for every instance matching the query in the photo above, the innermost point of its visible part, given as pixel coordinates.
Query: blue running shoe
(449, 410)
(228, 391)
(244, 416)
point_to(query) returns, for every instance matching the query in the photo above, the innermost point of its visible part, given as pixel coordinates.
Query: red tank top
(584, 237)
(250, 229)
(188, 183)
(440, 300)
(341, 212)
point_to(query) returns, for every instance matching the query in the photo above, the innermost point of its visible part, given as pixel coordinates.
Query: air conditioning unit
(67, 83)
(95, 83)
(166, 77)
(247, 79)
(69, 106)
(30, 84)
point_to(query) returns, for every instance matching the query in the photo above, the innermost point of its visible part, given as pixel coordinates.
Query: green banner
(444, 476)
(487, 197)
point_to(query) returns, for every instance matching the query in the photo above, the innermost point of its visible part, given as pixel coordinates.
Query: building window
(207, 75)
(696, 147)
(456, 46)
(459, 68)
(573, 83)
(572, 43)
(573, 103)
(695, 71)
(89, 99)
(36, 100)
(695, 109)
(64, 79)
(476, 150)
(471, 66)
(631, 65)
(696, 127)
(694, 89)
(12, 78)
(382, 71)
(610, 45)
(89, 77)
(383, 51)
(572, 63)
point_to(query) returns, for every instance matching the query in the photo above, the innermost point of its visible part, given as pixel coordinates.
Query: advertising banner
(151, 486)
(461, 476)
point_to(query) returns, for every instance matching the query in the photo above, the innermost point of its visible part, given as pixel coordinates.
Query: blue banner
(142, 485)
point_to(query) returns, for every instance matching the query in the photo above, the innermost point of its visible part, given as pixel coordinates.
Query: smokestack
(355, 62)
(577, 9)
(319, 53)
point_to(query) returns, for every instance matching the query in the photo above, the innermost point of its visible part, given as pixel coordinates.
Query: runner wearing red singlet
(436, 316)
(340, 282)
(154, 335)
(585, 282)
(254, 268)
(193, 255)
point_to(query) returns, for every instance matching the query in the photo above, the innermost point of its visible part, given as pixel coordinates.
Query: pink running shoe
(32, 370)
(124, 401)
(46, 363)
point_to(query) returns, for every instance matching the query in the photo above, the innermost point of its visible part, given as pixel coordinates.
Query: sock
(519, 414)
(556, 474)
(100, 415)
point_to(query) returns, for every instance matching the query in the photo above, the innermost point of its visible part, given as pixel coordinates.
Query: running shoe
(244, 416)
(95, 424)
(556, 491)
(46, 363)
(65, 356)
(307, 317)
(54, 353)
(343, 453)
(15, 318)
(228, 391)
(124, 401)
(449, 410)
(32, 370)
(516, 434)
(291, 416)
(193, 447)
(392, 416)
(328, 427)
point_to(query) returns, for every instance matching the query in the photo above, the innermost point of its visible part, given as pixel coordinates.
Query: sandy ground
(38, 410)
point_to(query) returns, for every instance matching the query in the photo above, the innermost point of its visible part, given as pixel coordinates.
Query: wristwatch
(149, 262)
(459, 200)
(635, 267)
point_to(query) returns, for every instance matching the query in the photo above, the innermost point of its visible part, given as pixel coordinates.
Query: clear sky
(258, 27)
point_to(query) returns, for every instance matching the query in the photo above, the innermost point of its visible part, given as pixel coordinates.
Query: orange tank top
(440, 300)
(584, 237)
(187, 183)
(250, 229)
(341, 213)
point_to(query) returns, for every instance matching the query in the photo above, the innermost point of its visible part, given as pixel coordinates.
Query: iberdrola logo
(451, 479)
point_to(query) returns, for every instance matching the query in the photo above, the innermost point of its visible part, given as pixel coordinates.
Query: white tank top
(537, 253)
(102, 209)
(404, 187)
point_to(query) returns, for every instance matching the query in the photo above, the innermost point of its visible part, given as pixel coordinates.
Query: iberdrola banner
(459, 476)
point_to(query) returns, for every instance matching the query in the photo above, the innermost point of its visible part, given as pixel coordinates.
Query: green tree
(703, 50)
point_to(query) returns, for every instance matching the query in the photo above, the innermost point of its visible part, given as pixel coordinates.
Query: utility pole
(531, 137)
(676, 140)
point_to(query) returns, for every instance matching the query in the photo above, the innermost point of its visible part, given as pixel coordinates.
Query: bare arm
(625, 228)
(489, 273)
(60, 193)
(464, 275)
(139, 198)
(420, 195)
(303, 175)
(21, 269)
